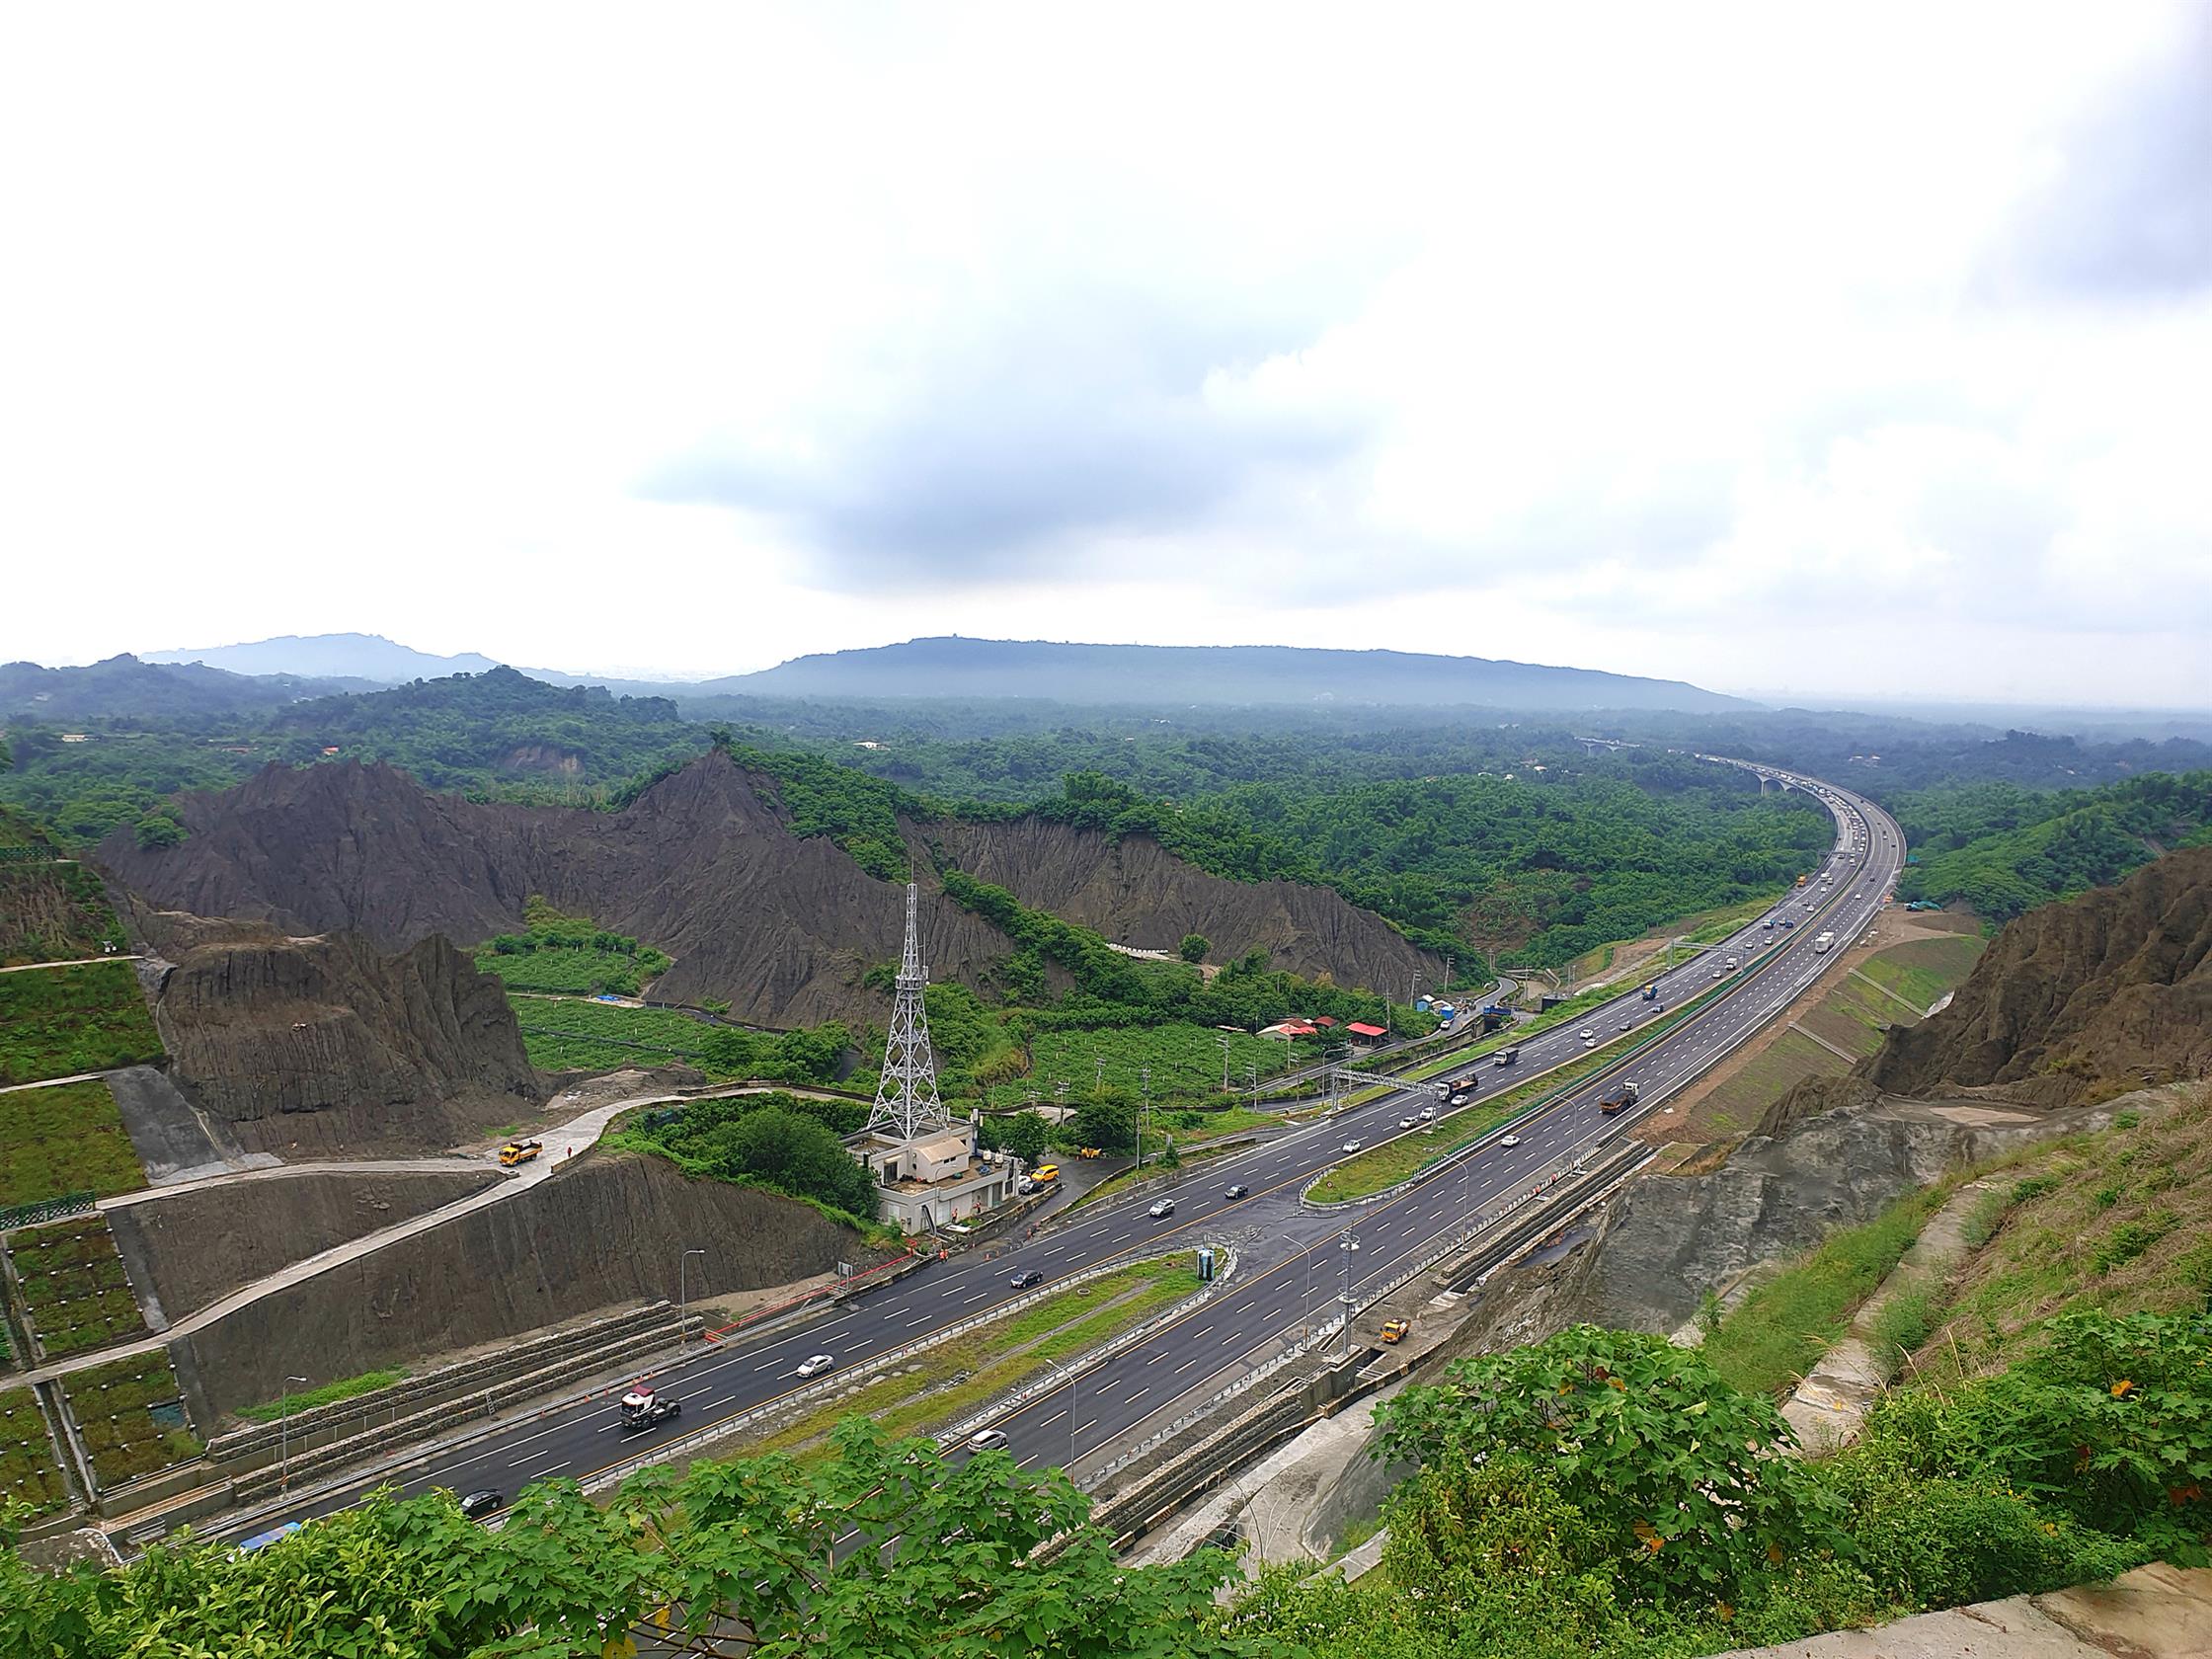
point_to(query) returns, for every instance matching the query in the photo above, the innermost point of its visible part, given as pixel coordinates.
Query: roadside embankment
(607, 1232)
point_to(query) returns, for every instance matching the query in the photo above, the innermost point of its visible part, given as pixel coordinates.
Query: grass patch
(571, 1034)
(74, 1290)
(329, 1393)
(1774, 1335)
(1741, 1099)
(1901, 1324)
(1185, 1059)
(1921, 970)
(51, 912)
(959, 1376)
(62, 1140)
(28, 1474)
(87, 1018)
(130, 1417)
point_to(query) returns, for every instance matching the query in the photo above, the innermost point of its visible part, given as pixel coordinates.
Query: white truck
(1821, 944)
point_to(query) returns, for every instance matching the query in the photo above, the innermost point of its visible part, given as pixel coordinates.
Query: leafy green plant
(1672, 1467)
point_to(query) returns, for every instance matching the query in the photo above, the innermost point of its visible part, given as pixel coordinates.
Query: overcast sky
(1837, 350)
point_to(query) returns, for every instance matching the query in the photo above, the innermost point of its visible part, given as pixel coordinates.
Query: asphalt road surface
(1294, 1260)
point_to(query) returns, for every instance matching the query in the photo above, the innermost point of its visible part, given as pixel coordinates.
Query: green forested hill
(2002, 850)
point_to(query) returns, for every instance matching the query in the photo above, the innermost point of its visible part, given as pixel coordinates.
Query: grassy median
(944, 1383)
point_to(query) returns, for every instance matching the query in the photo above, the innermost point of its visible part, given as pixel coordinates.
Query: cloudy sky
(1835, 350)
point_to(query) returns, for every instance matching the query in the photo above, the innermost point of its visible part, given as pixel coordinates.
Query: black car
(1237, 1191)
(1027, 1277)
(651, 1416)
(481, 1502)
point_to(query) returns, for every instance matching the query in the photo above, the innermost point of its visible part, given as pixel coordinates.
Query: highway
(1293, 1265)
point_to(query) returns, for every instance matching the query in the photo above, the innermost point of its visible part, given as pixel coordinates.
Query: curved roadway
(1293, 1269)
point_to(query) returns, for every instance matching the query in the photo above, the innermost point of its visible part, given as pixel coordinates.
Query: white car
(1161, 1207)
(1587, 1034)
(1427, 1114)
(1354, 1146)
(988, 1440)
(1405, 1122)
(1624, 1024)
(815, 1364)
(1511, 1141)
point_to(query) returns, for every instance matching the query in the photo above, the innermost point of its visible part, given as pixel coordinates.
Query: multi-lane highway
(1294, 1260)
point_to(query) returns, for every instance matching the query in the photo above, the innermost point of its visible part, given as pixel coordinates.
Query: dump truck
(1618, 1099)
(521, 1152)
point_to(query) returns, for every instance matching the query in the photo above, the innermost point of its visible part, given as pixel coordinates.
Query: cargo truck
(1618, 1099)
(1821, 944)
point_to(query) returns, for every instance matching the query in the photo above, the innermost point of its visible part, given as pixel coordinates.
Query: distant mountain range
(1202, 674)
(370, 657)
(128, 687)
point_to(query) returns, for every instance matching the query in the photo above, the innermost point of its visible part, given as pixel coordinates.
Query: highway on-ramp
(1292, 1263)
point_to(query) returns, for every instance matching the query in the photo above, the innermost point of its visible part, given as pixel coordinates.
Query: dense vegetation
(56, 1022)
(1609, 1495)
(758, 1544)
(53, 912)
(1599, 1493)
(568, 954)
(495, 735)
(778, 1141)
(2002, 850)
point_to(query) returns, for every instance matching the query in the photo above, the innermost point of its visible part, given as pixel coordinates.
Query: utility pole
(1144, 1109)
(1221, 1037)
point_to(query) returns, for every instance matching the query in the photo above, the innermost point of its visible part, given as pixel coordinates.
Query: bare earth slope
(1137, 892)
(327, 1044)
(706, 866)
(2077, 1001)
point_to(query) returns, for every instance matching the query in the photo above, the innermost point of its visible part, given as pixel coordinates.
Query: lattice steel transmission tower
(907, 1104)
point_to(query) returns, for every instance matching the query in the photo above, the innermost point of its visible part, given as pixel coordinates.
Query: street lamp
(285, 1434)
(1072, 1379)
(1221, 1037)
(1349, 1247)
(1144, 1109)
(682, 1299)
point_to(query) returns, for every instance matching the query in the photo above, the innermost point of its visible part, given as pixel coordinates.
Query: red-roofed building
(1326, 1023)
(1366, 1033)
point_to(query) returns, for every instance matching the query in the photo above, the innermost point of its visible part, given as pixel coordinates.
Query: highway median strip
(953, 1379)
(1407, 1154)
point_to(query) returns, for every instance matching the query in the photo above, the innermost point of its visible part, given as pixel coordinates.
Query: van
(1045, 1172)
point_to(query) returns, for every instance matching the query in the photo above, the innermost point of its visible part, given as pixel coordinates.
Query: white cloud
(708, 337)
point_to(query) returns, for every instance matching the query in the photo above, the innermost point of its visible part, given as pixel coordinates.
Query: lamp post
(682, 1299)
(1221, 1037)
(1349, 1247)
(1143, 1110)
(1059, 1369)
(285, 1434)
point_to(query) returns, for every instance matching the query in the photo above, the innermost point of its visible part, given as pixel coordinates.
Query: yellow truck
(521, 1152)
